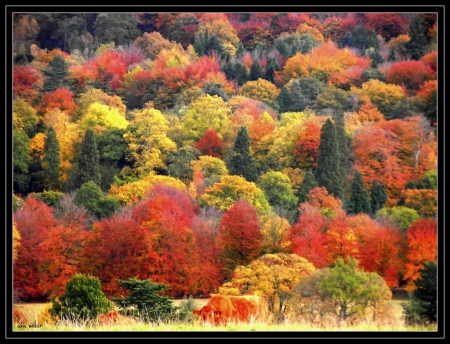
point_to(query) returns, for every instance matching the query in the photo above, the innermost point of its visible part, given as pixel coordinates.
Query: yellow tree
(100, 117)
(206, 112)
(275, 231)
(67, 133)
(271, 275)
(384, 96)
(259, 90)
(230, 189)
(132, 192)
(95, 95)
(148, 144)
(210, 166)
(16, 240)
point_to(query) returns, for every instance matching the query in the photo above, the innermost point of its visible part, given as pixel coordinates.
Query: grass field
(394, 323)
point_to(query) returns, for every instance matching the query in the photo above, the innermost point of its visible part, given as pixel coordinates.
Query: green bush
(83, 299)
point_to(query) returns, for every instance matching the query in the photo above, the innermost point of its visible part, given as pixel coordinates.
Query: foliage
(143, 300)
(90, 196)
(51, 159)
(230, 189)
(359, 197)
(328, 171)
(88, 161)
(82, 299)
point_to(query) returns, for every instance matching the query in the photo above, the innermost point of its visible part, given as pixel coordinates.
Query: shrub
(83, 299)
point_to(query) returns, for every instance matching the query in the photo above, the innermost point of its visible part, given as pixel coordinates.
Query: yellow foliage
(230, 189)
(275, 230)
(16, 240)
(132, 192)
(101, 117)
(37, 144)
(305, 28)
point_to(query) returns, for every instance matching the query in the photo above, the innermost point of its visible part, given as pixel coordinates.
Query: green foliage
(144, 302)
(90, 196)
(48, 197)
(378, 196)
(57, 74)
(417, 45)
(278, 190)
(51, 161)
(425, 293)
(342, 290)
(428, 181)
(372, 73)
(179, 163)
(328, 171)
(400, 216)
(242, 163)
(18, 203)
(83, 299)
(359, 196)
(88, 161)
(308, 183)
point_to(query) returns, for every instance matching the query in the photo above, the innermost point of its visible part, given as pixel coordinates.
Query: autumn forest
(181, 147)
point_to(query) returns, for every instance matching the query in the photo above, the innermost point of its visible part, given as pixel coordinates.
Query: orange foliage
(61, 98)
(340, 239)
(422, 246)
(411, 74)
(319, 197)
(20, 318)
(307, 147)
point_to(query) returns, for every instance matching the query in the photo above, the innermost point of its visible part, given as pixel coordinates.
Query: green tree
(91, 196)
(328, 171)
(308, 183)
(256, 71)
(88, 161)
(242, 163)
(56, 75)
(284, 99)
(143, 300)
(120, 28)
(179, 163)
(426, 290)
(83, 299)
(378, 196)
(359, 196)
(350, 289)
(278, 190)
(417, 45)
(51, 160)
(21, 159)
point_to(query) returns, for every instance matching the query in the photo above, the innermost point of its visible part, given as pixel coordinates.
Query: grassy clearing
(393, 324)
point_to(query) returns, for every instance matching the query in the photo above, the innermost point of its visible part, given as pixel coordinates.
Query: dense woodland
(178, 147)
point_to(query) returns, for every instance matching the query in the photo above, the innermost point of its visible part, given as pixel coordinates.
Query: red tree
(210, 144)
(61, 98)
(240, 235)
(34, 222)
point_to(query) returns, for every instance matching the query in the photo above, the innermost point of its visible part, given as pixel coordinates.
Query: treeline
(180, 146)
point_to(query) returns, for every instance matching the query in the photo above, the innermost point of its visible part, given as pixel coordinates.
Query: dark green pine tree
(256, 71)
(242, 162)
(284, 99)
(88, 161)
(346, 159)
(51, 160)
(378, 196)
(417, 45)
(56, 74)
(359, 196)
(426, 290)
(297, 98)
(271, 67)
(328, 171)
(309, 183)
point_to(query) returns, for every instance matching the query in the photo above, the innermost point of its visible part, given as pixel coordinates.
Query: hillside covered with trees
(182, 147)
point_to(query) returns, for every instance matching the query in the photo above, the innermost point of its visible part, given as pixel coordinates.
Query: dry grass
(394, 322)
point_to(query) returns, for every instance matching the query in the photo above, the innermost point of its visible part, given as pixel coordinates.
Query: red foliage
(34, 223)
(239, 234)
(307, 235)
(307, 147)
(430, 60)
(61, 98)
(116, 248)
(110, 318)
(411, 74)
(210, 144)
(26, 82)
(388, 25)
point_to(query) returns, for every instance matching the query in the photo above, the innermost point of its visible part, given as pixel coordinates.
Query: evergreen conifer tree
(378, 196)
(256, 71)
(309, 183)
(88, 161)
(328, 171)
(284, 99)
(359, 196)
(51, 160)
(242, 162)
(417, 45)
(56, 74)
